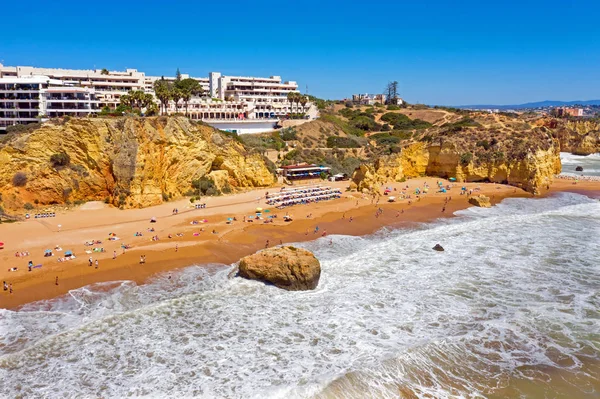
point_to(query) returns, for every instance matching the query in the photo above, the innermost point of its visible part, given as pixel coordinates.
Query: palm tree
(303, 100)
(291, 97)
(162, 89)
(189, 87)
(176, 95)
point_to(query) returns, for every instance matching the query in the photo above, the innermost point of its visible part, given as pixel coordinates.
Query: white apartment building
(38, 98)
(369, 99)
(237, 103)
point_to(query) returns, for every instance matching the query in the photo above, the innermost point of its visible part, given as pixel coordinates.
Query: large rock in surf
(290, 268)
(481, 201)
(579, 169)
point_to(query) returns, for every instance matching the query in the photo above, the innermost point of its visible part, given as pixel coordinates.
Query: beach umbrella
(267, 211)
(452, 179)
(230, 219)
(69, 253)
(48, 251)
(1, 244)
(259, 209)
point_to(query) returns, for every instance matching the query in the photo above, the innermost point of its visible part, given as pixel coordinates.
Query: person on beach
(144, 258)
(267, 244)
(176, 247)
(30, 265)
(350, 221)
(10, 288)
(56, 281)
(114, 254)
(90, 261)
(96, 263)
(5, 286)
(141, 259)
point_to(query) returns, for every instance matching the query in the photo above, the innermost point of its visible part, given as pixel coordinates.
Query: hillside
(399, 143)
(128, 162)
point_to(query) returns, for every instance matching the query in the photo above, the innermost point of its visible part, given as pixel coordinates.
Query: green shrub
(165, 197)
(79, 202)
(483, 143)
(19, 179)
(341, 142)
(393, 107)
(60, 159)
(466, 158)
(28, 206)
(205, 185)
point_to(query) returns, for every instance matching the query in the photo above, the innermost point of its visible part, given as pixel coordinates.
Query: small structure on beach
(303, 171)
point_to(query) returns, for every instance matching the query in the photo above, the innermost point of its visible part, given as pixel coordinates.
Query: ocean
(589, 163)
(511, 308)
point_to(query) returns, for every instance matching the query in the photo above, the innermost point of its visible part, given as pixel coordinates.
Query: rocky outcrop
(527, 166)
(481, 201)
(129, 162)
(438, 247)
(290, 268)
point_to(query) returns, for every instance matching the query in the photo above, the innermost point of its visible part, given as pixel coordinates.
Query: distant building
(564, 111)
(240, 104)
(368, 99)
(37, 98)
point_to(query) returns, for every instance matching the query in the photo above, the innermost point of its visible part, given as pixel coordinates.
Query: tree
(162, 90)
(303, 101)
(391, 92)
(104, 71)
(178, 75)
(176, 95)
(188, 87)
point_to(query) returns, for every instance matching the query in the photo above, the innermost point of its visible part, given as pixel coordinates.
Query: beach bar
(303, 171)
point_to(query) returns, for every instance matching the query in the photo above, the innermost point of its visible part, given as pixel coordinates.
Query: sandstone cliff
(290, 268)
(130, 162)
(579, 137)
(529, 162)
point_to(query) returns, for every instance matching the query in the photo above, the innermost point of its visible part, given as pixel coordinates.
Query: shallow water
(511, 307)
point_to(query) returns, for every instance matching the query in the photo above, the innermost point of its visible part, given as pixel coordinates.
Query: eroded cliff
(129, 162)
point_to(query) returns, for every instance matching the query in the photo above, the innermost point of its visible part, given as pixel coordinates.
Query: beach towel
(37, 266)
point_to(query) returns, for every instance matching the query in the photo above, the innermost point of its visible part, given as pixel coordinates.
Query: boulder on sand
(579, 169)
(480, 201)
(290, 268)
(438, 247)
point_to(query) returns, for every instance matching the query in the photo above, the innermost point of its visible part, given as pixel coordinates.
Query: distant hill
(539, 104)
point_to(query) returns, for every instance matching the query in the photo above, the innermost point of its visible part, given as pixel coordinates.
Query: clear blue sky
(441, 52)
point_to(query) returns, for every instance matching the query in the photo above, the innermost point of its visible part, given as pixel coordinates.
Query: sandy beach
(353, 214)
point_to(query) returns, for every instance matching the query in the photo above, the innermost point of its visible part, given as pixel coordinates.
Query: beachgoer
(176, 247)
(144, 258)
(91, 260)
(114, 254)
(56, 281)
(96, 263)
(141, 259)
(350, 219)
(10, 288)
(30, 265)
(5, 286)
(267, 244)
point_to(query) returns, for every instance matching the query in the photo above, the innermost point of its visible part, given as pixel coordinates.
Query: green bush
(79, 202)
(341, 142)
(165, 197)
(60, 159)
(393, 107)
(28, 206)
(19, 179)
(289, 134)
(466, 158)
(483, 143)
(205, 185)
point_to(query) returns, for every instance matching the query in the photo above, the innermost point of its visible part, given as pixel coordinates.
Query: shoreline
(232, 242)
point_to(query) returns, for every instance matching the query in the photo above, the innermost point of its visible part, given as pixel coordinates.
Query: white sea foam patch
(589, 163)
(516, 287)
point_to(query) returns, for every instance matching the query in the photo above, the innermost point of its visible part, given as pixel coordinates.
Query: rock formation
(129, 162)
(290, 268)
(481, 201)
(438, 247)
(527, 165)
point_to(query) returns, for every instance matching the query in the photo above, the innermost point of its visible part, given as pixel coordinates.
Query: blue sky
(440, 52)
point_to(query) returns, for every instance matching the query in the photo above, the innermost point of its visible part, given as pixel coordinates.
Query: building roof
(303, 166)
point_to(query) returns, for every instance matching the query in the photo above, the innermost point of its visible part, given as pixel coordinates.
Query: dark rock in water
(579, 169)
(438, 247)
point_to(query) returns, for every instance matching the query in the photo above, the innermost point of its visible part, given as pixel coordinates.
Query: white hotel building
(234, 103)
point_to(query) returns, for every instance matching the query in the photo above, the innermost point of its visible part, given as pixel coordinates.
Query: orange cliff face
(131, 162)
(531, 170)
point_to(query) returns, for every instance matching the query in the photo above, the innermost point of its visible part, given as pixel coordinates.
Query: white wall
(244, 127)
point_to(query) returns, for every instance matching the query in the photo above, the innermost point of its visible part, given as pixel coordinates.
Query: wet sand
(231, 241)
